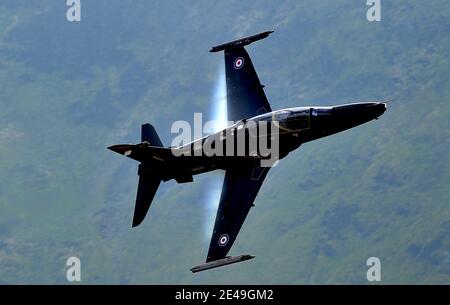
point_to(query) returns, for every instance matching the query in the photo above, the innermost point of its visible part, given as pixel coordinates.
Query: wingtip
(228, 260)
(138, 218)
(136, 222)
(241, 42)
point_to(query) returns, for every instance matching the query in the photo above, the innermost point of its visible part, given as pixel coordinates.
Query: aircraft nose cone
(378, 109)
(363, 110)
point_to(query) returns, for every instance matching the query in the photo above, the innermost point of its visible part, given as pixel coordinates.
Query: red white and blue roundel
(223, 239)
(238, 63)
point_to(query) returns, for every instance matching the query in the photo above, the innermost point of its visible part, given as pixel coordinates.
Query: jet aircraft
(244, 175)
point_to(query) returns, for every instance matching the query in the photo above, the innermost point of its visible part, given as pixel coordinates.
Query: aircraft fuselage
(295, 127)
(245, 150)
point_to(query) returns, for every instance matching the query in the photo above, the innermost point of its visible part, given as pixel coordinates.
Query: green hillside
(69, 90)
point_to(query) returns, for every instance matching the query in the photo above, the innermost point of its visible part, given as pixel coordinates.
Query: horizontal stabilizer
(142, 152)
(241, 42)
(221, 262)
(123, 149)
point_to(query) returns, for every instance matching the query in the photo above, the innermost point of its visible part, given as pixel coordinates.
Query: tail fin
(151, 153)
(149, 180)
(149, 134)
(147, 187)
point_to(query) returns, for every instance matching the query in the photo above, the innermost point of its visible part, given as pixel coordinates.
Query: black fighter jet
(244, 174)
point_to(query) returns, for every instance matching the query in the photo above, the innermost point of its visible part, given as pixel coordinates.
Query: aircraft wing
(240, 187)
(245, 94)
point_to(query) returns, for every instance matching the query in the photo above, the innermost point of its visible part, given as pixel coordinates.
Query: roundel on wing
(223, 239)
(239, 63)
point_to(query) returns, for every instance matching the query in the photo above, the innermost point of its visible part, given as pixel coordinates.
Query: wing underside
(245, 99)
(240, 187)
(245, 94)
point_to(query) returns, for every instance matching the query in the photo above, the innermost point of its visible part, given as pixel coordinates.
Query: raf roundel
(238, 63)
(223, 240)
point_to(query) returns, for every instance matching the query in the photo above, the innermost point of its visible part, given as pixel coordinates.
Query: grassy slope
(69, 90)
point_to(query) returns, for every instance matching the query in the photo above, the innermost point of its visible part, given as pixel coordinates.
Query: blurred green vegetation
(69, 90)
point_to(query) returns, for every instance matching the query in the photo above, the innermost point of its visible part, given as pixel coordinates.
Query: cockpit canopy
(288, 120)
(294, 119)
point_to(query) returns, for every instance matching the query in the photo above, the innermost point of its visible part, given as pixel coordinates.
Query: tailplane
(151, 153)
(149, 150)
